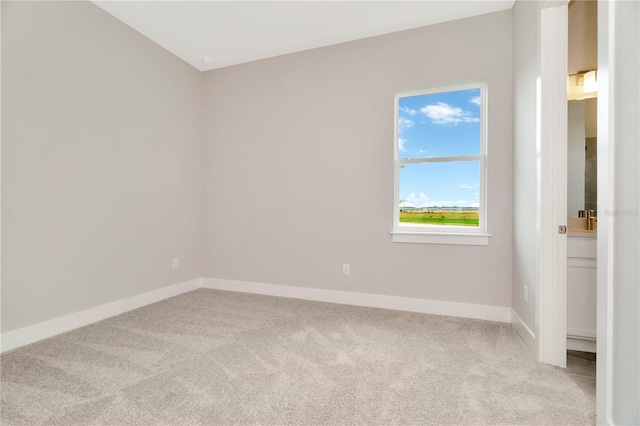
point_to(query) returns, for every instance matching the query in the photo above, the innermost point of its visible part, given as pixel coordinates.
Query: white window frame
(443, 234)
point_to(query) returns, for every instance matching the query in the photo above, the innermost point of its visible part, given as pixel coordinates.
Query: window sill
(440, 238)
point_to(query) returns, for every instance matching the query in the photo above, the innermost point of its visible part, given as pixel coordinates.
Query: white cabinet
(581, 292)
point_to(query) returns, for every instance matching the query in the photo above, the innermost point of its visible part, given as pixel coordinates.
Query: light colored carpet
(214, 357)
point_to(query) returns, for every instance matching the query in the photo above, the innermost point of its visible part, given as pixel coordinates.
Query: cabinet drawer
(582, 247)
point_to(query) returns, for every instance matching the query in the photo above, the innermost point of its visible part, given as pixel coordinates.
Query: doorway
(582, 194)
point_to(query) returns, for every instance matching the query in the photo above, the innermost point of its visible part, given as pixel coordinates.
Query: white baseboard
(581, 333)
(33, 333)
(581, 344)
(574, 343)
(436, 307)
(525, 332)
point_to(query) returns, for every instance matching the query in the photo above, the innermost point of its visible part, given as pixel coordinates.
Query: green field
(441, 218)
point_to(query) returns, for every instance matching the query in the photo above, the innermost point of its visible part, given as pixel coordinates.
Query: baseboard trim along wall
(33, 333)
(425, 306)
(581, 344)
(525, 332)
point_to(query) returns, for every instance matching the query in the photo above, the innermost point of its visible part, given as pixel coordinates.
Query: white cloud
(465, 203)
(405, 123)
(450, 203)
(475, 100)
(468, 185)
(414, 200)
(401, 143)
(408, 110)
(446, 114)
(443, 204)
(422, 200)
(422, 151)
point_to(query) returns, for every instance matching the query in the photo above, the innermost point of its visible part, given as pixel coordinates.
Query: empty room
(320, 213)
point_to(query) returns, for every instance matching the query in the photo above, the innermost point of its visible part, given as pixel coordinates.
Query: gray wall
(300, 166)
(525, 187)
(101, 173)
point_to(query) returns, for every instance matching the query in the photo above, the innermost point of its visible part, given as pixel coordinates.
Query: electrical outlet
(526, 294)
(346, 269)
(176, 263)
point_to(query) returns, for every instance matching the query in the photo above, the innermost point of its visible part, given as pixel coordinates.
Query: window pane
(439, 124)
(440, 193)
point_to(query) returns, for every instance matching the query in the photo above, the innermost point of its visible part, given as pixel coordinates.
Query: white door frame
(551, 312)
(606, 201)
(551, 208)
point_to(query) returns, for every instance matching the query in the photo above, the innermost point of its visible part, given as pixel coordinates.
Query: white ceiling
(234, 32)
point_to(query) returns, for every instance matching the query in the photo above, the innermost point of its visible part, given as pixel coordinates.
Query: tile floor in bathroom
(581, 368)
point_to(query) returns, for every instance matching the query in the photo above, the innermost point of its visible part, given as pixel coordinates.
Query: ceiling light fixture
(590, 81)
(587, 79)
(582, 85)
(207, 61)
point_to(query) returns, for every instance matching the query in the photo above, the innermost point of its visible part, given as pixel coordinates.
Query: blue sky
(440, 125)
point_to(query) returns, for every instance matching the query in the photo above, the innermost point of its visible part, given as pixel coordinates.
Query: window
(440, 166)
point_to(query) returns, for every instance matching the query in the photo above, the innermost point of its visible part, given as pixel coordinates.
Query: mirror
(582, 156)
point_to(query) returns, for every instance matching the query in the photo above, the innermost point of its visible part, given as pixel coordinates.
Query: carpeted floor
(214, 357)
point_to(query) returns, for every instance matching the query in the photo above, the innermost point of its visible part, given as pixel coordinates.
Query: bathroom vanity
(581, 290)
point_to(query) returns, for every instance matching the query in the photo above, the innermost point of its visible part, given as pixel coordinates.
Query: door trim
(606, 201)
(552, 174)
